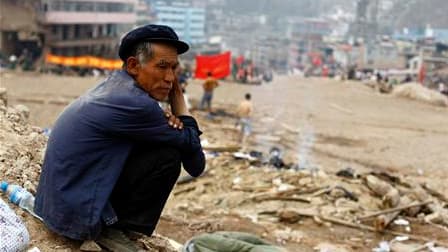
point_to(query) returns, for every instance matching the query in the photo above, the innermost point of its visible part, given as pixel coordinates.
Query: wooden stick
(286, 193)
(300, 191)
(372, 229)
(324, 190)
(229, 148)
(251, 189)
(184, 190)
(301, 199)
(395, 209)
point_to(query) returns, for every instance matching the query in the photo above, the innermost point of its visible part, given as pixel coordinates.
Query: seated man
(114, 155)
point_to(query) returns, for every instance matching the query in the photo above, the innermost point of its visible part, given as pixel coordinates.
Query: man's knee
(156, 161)
(168, 159)
(166, 154)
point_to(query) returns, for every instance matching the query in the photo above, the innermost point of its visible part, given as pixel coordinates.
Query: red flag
(218, 65)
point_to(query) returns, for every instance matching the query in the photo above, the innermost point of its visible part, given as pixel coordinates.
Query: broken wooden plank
(282, 198)
(395, 209)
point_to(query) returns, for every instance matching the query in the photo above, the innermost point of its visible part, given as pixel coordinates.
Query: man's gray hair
(142, 51)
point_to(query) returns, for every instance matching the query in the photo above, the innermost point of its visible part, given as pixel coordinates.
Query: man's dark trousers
(146, 181)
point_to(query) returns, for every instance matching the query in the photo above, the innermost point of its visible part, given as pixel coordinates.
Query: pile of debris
(279, 197)
(415, 91)
(22, 148)
(373, 202)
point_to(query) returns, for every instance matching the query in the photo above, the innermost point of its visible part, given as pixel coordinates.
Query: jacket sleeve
(148, 124)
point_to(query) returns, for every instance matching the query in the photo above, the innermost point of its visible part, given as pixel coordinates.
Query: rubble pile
(415, 91)
(374, 202)
(22, 148)
(280, 199)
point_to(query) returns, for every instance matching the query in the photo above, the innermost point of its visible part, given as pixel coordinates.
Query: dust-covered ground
(351, 125)
(321, 124)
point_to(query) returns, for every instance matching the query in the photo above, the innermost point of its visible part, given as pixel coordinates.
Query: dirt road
(348, 123)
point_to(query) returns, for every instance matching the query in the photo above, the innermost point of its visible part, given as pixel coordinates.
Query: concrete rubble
(416, 91)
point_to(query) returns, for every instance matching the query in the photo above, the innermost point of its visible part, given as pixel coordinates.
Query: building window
(101, 7)
(84, 7)
(72, 6)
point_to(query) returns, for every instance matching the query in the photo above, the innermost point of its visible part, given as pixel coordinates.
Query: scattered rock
(327, 247)
(22, 149)
(160, 244)
(90, 246)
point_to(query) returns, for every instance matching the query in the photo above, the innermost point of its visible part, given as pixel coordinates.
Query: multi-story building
(266, 53)
(143, 13)
(187, 21)
(19, 29)
(86, 27)
(415, 34)
(306, 37)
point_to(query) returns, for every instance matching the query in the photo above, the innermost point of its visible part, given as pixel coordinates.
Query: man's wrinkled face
(157, 76)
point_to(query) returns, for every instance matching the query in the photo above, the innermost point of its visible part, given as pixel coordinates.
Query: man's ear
(132, 65)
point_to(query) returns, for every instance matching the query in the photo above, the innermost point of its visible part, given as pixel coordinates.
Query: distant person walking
(209, 86)
(244, 113)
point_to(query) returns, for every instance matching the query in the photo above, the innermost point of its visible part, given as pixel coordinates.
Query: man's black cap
(150, 33)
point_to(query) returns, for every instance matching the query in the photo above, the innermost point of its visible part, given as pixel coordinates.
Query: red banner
(218, 65)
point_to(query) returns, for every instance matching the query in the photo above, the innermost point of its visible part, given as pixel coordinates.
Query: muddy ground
(331, 125)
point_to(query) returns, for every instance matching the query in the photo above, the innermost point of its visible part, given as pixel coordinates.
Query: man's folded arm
(150, 125)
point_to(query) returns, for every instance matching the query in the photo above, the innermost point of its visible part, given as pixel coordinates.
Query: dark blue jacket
(88, 147)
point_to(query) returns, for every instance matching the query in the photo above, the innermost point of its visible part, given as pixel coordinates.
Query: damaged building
(19, 29)
(64, 27)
